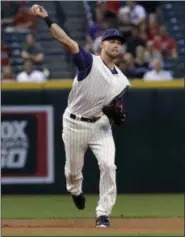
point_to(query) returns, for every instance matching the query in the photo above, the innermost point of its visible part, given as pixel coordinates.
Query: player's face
(111, 48)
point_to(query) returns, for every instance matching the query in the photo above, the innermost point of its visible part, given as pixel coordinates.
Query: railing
(67, 84)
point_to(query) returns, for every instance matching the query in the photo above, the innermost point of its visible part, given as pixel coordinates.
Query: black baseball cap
(113, 34)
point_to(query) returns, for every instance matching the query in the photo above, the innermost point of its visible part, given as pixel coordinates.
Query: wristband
(48, 21)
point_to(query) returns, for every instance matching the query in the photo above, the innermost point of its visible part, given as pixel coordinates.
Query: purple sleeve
(83, 61)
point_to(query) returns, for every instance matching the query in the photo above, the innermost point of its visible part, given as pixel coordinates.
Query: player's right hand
(38, 10)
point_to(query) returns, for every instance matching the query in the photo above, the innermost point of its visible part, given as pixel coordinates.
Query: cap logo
(116, 33)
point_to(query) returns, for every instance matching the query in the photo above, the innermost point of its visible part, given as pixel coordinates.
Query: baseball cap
(113, 34)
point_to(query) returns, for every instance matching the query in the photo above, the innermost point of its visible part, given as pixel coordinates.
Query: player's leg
(103, 148)
(75, 144)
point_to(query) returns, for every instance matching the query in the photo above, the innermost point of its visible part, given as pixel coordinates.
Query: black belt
(90, 120)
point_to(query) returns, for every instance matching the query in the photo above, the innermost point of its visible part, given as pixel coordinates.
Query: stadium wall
(150, 145)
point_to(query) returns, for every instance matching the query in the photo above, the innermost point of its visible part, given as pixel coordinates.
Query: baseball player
(94, 105)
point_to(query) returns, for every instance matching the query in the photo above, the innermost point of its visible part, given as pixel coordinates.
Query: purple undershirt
(83, 61)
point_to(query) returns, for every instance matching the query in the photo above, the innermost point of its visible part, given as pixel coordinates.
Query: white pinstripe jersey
(99, 88)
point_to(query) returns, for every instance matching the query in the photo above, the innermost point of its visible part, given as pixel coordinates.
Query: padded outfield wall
(150, 145)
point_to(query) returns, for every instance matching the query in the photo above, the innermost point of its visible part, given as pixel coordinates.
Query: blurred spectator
(157, 74)
(134, 11)
(134, 40)
(113, 6)
(152, 26)
(142, 31)
(95, 47)
(95, 31)
(111, 19)
(99, 25)
(140, 63)
(151, 52)
(165, 43)
(104, 18)
(124, 25)
(32, 50)
(128, 66)
(118, 60)
(6, 54)
(29, 74)
(22, 22)
(7, 74)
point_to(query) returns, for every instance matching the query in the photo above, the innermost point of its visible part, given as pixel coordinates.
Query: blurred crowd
(148, 47)
(17, 21)
(145, 54)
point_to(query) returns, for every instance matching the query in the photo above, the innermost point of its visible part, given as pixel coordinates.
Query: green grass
(139, 234)
(127, 206)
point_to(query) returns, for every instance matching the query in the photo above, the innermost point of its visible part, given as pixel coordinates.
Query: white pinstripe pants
(78, 136)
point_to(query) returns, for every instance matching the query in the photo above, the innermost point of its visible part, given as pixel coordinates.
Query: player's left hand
(38, 10)
(115, 112)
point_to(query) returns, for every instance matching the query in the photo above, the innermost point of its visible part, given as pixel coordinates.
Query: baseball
(37, 8)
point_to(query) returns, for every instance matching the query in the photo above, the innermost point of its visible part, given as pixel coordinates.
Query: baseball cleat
(102, 222)
(79, 201)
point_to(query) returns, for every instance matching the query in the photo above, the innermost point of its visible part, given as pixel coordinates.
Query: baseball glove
(115, 112)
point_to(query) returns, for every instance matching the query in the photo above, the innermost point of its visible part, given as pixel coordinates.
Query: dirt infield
(79, 226)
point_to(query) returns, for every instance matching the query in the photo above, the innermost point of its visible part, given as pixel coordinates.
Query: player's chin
(114, 55)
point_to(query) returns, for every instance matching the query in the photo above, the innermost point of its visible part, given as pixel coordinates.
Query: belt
(90, 120)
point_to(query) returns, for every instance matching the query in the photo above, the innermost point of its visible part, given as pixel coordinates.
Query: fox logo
(14, 144)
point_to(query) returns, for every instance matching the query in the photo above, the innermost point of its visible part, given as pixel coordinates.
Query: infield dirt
(12, 227)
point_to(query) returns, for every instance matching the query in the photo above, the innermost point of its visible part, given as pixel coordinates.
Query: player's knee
(70, 176)
(107, 166)
(73, 176)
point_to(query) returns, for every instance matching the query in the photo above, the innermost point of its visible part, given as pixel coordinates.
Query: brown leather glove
(115, 112)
